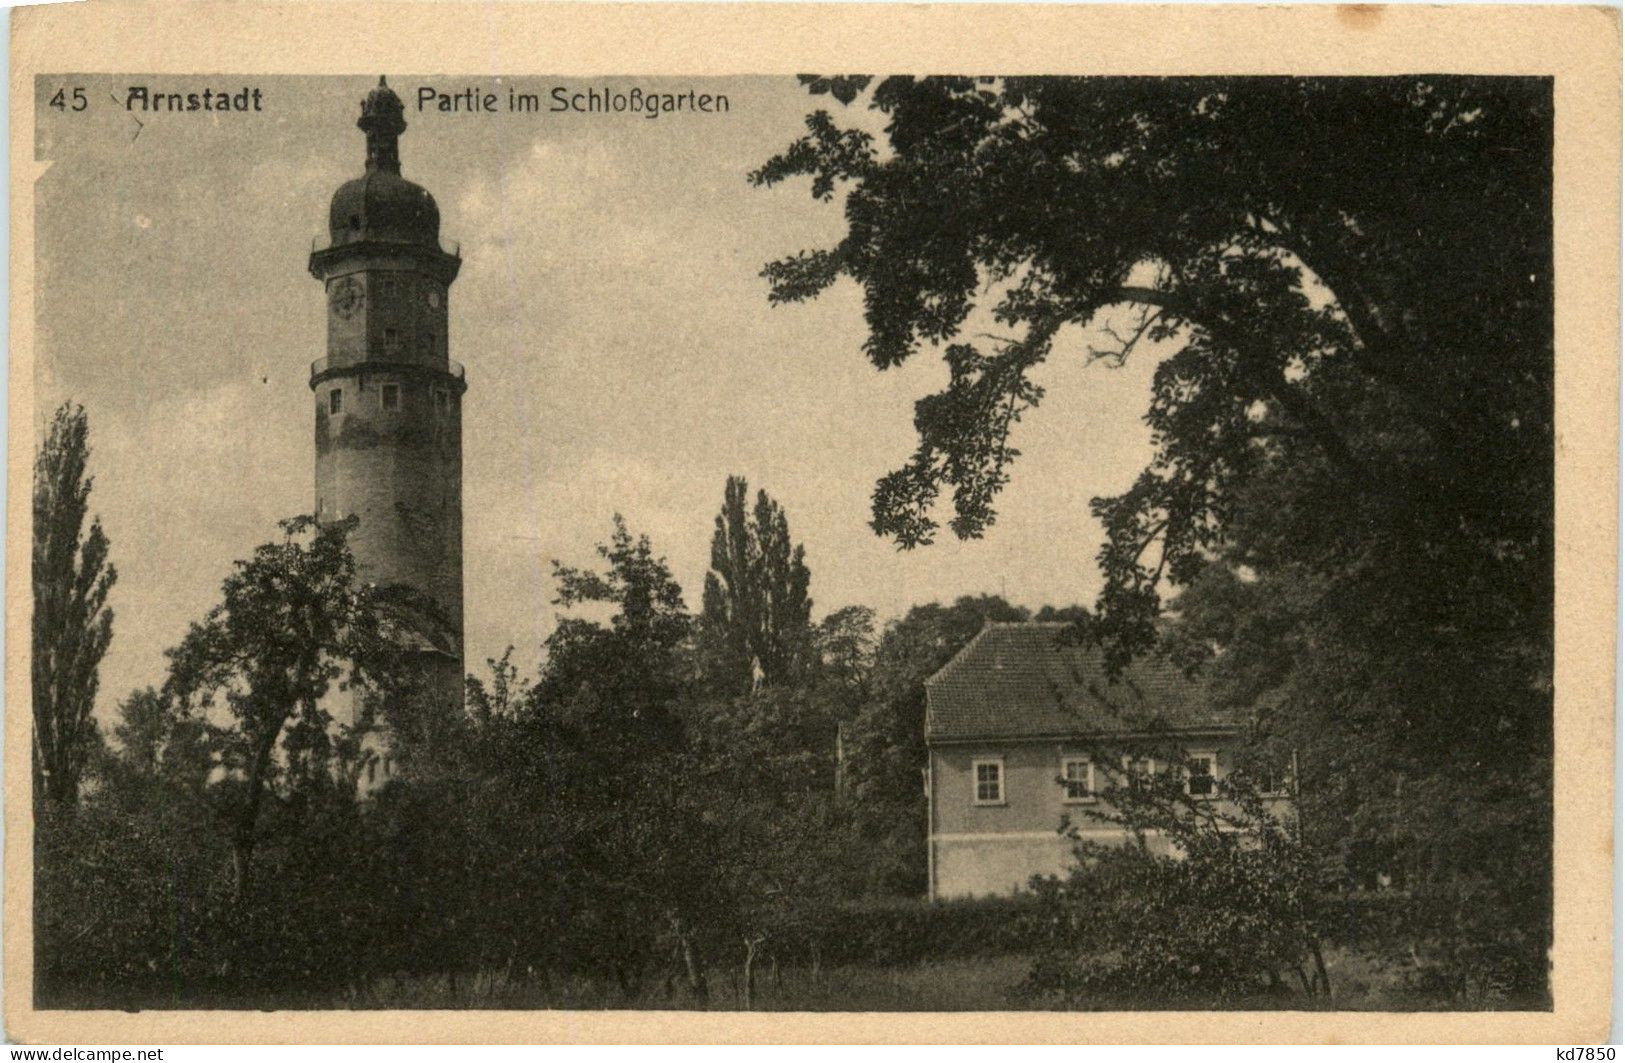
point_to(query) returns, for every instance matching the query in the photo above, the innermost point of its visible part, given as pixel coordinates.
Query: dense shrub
(134, 905)
(1462, 946)
(119, 897)
(1222, 922)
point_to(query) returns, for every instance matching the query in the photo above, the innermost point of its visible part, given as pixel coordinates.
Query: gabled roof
(1029, 681)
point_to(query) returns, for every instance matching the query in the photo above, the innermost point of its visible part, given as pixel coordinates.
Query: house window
(1268, 780)
(392, 396)
(1202, 775)
(335, 401)
(1139, 771)
(989, 776)
(1078, 779)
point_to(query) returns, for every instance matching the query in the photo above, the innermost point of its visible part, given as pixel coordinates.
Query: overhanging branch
(1295, 404)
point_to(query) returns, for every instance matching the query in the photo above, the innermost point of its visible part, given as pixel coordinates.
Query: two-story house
(1010, 725)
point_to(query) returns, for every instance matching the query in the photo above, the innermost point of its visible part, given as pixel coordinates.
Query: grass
(1359, 983)
(982, 984)
(946, 985)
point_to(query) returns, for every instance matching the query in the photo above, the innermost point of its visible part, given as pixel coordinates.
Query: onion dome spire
(381, 206)
(381, 119)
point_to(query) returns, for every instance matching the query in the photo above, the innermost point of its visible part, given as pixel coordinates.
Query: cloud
(169, 479)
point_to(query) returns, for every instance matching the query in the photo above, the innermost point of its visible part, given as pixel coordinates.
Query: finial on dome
(382, 121)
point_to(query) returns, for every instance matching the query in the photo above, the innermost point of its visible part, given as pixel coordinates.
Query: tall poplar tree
(755, 612)
(72, 625)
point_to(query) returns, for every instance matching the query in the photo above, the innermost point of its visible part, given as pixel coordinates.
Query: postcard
(811, 523)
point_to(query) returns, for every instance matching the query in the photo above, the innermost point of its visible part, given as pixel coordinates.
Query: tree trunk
(242, 842)
(695, 970)
(749, 993)
(685, 957)
(59, 783)
(840, 759)
(1320, 969)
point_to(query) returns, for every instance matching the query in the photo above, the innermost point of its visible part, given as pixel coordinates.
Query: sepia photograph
(819, 543)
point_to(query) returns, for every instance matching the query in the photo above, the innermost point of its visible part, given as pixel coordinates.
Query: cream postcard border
(1578, 46)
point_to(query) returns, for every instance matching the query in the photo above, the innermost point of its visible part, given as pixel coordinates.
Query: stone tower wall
(400, 471)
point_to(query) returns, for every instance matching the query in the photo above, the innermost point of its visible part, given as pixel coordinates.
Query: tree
(292, 625)
(618, 785)
(889, 737)
(886, 752)
(1309, 284)
(503, 699)
(621, 680)
(1424, 760)
(1351, 490)
(72, 625)
(144, 724)
(783, 848)
(1232, 905)
(845, 643)
(755, 612)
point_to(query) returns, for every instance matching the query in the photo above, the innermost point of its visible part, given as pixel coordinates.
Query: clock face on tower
(346, 297)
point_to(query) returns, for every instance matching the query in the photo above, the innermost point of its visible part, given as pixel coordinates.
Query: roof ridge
(953, 662)
(962, 651)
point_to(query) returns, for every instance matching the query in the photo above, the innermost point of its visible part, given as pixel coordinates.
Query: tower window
(391, 339)
(434, 297)
(335, 401)
(442, 400)
(392, 396)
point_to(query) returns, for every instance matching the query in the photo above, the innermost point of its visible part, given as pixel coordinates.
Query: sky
(620, 350)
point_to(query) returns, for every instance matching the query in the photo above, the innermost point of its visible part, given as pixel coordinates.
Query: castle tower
(388, 397)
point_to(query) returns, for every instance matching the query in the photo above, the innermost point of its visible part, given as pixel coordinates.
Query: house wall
(978, 849)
